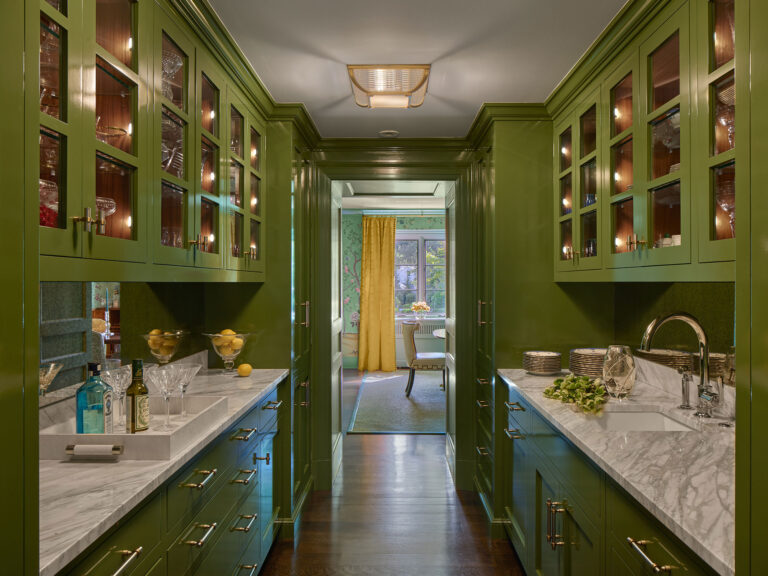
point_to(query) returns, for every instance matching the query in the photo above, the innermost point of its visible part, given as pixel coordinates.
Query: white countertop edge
(715, 562)
(50, 566)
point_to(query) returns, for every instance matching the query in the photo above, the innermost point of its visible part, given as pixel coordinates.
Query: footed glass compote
(48, 373)
(619, 371)
(184, 375)
(119, 378)
(163, 380)
(228, 345)
(163, 344)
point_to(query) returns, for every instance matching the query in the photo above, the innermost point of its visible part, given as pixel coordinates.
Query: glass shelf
(621, 105)
(724, 194)
(174, 73)
(236, 234)
(114, 107)
(236, 132)
(52, 212)
(209, 160)
(255, 149)
(255, 239)
(172, 144)
(665, 142)
(622, 174)
(51, 54)
(589, 183)
(255, 203)
(566, 240)
(665, 71)
(665, 207)
(623, 225)
(565, 150)
(114, 28)
(172, 202)
(589, 234)
(588, 131)
(236, 183)
(724, 121)
(209, 217)
(724, 32)
(566, 195)
(209, 106)
(114, 193)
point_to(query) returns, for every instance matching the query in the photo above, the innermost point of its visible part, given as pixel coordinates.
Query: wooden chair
(419, 360)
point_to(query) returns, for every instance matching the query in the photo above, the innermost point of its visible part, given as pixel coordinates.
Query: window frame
(421, 267)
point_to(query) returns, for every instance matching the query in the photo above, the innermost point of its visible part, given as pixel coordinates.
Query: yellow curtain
(377, 296)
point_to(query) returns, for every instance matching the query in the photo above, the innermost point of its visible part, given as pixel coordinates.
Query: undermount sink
(616, 421)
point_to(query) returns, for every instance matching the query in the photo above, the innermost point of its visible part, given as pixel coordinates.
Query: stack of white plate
(676, 359)
(541, 363)
(718, 365)
(587, 361)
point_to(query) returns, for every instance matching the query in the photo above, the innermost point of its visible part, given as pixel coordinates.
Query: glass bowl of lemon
(228, 344)
(163, 344)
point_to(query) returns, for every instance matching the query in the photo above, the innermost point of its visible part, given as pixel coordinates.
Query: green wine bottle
(137, 401)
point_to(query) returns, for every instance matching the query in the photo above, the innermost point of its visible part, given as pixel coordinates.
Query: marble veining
(80, 501)
(686, 480)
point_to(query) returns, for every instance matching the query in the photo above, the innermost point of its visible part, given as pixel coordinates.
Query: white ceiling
(480, 51)
(393, 194)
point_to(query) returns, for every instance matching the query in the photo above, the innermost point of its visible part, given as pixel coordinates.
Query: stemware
(163, 380)
(619, 371)
(48, 372)
(228, 346)
(184, 375)
(119, 378)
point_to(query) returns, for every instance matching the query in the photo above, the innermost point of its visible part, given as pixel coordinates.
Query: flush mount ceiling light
(391, 86)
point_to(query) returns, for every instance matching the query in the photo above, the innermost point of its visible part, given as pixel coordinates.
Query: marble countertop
(80, 501)
(686, 480)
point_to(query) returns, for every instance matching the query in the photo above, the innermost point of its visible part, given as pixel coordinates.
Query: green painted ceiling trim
(299, 116)
(492, 112)
(625, 26)
(398, 144)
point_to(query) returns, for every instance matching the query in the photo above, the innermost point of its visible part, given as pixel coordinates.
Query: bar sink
(203, 413)
(618, 421)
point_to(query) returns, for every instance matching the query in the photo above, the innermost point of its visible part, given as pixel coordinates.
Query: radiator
(425, 329)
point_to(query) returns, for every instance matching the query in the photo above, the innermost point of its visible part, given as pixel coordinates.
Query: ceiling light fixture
(389, 133)
(390, 86)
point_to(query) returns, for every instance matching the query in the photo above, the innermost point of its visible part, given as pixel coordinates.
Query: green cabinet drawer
(135, 537)
(269, 409)
(249, 563)
(157, 569)
(268, 497)
(484, 389)
(519, 411)
(625, 519)
(245, 434)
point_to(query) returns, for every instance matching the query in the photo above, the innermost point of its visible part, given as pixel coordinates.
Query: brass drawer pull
(482, 381)
(200, 485)
(482, 450)
(247, 528)
(132, 555)
(251, 567)
(304, 384)
(480, 321)
(549, 520)
(638, 546)
(245, 481)
(555, 538)
(265, 458)
(513, 434)
(514, 406)
(272, 405)
(245, 437)
(209, 528)
(482, 404)
(304, 404)
(87, 220)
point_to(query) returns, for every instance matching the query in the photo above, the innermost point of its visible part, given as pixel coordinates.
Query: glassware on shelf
(114, 194)
(621, 105)
(184, 375)
(566, 240)
(255, 240)
(48, 373)
(114, 28)
(173, 73)
(209, 106)
(588, 125)
(236, 183)
(665, 208)
(236, 234)
(114, 107)
(255, 149)
(724, 183)
(619, 371)
(623, 226)
(163, 344)
(724, 125)
(565, 150)
(665, 142)
(589, 234)
(228, 345)
(162, 380)
(172, 200)
(209, 216)
(589, 183)
(119, 378)
(172, 131)
(724, 32)
(566, 195)
(209, 162)
(665, 71)
(236, 132)
(623, 176)
(51, 67)
(255, 203)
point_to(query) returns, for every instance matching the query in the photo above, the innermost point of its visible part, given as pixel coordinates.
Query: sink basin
(615, 421)
(203, 412)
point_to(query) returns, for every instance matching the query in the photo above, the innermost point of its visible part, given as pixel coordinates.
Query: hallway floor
(393, 511)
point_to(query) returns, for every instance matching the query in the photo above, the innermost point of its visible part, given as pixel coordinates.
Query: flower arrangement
(419, 309)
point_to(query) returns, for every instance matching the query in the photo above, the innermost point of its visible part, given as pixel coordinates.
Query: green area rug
(382, 407)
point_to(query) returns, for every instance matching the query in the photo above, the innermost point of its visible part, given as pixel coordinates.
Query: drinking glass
(119, 378)
(619, 371)
(47, 373)
(163, 379)
(184, 375)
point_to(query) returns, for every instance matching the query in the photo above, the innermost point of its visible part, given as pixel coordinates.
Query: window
(420, 271)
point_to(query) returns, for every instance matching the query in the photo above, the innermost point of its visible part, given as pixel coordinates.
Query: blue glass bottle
(94, 404)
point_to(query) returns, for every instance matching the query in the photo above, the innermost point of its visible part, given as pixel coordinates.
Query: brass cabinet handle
(247, 528)
(201, 241)
(304, 384)
(638, 546)
(556, 539)
(251, 567)
(304, 305)
(86, 219)
(209, 528)
(265, 458)
(480, 320)
(245, 481)
(132, 555)
(200, 485)
(272, 405)
(513, 434)
(482, 404)
(482, 450)
(514, 406)
(304, 404)
(549, 520)
(245, 437)
(252, 253)
(482, 381)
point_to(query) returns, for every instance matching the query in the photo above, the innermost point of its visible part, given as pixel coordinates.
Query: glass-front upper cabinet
(716, 129)
(665, 144)
(174, 134)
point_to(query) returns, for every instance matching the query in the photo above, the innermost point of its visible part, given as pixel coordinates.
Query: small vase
(418, 315)
(619, 371)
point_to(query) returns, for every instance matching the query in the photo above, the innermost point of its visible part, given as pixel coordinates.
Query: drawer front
(157, 569)
(245, 434)
(484, 434)
(268, 508)
(584, 481)
(519, 410)
(628, 519)
(135, 538)
(268, 410)
(484, 389)
(249, 563)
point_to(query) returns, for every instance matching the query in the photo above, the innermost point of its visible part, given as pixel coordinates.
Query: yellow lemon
(228, 332)
(219, 341)
(244, 370)
(155, 331)
(155, 342)
(167, 350)
(237, 343)
(225, 350)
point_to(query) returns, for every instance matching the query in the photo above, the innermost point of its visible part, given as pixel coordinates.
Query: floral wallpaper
(352, 249)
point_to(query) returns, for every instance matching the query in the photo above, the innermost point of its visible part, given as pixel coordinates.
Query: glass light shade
(401, 86)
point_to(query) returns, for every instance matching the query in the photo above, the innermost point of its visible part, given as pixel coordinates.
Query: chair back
(409, 343)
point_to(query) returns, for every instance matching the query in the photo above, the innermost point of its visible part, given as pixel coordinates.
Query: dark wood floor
(393, 511)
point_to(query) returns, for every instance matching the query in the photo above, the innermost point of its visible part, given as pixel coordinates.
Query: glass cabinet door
(588, 190)
(175, 136)
(255, 199)
(564, 199)
(715, 127)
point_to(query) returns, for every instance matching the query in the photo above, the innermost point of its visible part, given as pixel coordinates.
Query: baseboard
(289, 527)
(496, 526)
